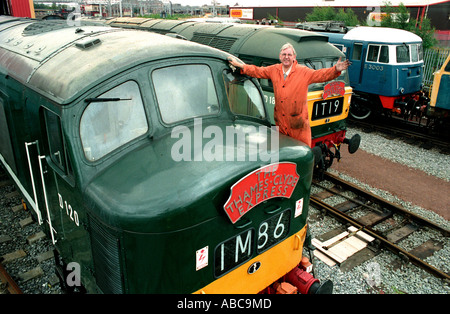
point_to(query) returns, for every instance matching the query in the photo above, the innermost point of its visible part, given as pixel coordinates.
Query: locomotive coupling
(307, 284)
(353, 143)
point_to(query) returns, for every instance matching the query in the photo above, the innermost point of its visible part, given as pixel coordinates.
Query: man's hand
(341, 66)
(235, 63)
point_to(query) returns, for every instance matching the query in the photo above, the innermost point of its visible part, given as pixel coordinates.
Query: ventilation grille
(221, 43)
(105, 249)
(160, 31)
(88, 43)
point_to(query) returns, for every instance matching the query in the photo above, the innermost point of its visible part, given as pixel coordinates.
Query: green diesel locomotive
(152, 166)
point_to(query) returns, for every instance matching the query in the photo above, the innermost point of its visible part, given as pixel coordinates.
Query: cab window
(416, 53)
(420, 48)
(378, 53)
(112, 120)
(340, 47)
(384, 54)
(55, 140)
(185, 91)
(316, 64)
(372, 55)
(266, 84)
(6, 149)
(243, 96)
(357, 51)
(55, 145)
(402, 53)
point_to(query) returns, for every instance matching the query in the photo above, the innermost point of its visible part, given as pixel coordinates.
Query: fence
(433, 59)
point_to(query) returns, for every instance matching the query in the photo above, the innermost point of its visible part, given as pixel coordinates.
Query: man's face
(287, 57)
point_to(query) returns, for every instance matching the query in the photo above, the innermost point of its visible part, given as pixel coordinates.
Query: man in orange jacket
(290, 84)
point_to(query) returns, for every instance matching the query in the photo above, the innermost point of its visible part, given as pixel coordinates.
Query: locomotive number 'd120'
(73, 215)
(240, 248)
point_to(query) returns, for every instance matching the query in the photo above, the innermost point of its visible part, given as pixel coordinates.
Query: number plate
(239, 249)
(327, 108)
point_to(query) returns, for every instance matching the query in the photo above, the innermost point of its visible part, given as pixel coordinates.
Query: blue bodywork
(390, 68)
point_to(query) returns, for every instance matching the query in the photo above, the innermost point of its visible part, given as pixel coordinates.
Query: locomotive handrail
(36, 203)
(49, 219)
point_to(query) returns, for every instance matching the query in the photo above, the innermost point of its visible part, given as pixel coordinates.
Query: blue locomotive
(387, 69)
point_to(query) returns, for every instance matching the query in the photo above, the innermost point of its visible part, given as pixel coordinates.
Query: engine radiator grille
(105, 250)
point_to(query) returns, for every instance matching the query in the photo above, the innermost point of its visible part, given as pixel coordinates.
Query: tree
(347, 16)
(399, 17)
(321, 14)
(396, 17)
(330, 14)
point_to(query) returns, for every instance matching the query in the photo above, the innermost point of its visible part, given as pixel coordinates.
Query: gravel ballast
(392, 274)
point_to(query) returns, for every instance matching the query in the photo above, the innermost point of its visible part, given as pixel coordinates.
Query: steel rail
(12, 286)
(388, 205)
(391, 246)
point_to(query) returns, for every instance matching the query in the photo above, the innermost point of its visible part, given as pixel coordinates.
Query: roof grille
(44, 27)
(221, 43)
(202, 39)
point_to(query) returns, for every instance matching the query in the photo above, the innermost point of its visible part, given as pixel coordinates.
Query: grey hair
(288, 45)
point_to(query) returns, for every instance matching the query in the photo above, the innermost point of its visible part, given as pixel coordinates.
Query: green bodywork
(133, 219)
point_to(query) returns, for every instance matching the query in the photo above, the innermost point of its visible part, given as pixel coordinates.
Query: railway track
(396, 129)
(381, 223)
(26, 254)
(7, 283)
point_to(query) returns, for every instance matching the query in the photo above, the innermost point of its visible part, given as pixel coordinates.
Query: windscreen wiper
(310, 64)
(89, 100)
